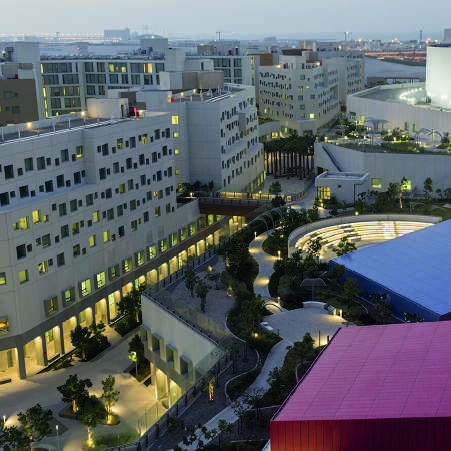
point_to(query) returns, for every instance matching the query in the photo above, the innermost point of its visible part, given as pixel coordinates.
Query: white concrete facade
(85, 214)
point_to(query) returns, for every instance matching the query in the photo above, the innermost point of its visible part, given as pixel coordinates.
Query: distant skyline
(250, 18)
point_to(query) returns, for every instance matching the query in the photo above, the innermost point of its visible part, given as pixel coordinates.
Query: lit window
(100, 280)
(376, 183)
(122, 188)
(106, 236)
(95, 216)
(274, 135)
(152, 251)
(68, 295)
(42, 267)
(176, 134)
(4, 325)
(36, 215)
(2, 278)
(127, 265)
(24, 223)
(140, 258)
(79, 151)
(323, 192)
(85, 287)
(145, 139)
(175, 120)
(92, 241)
(51, 305)
(176, 151)
(23, 276)
(45, 218)
(312, 116)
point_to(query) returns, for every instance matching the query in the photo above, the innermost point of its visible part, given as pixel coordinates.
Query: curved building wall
(438, 70)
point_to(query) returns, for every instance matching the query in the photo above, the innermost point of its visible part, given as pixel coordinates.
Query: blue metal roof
(416, 266)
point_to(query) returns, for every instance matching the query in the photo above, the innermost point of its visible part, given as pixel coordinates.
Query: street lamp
(133, 357)
(255, 235)
(57, 438)
(279, 254)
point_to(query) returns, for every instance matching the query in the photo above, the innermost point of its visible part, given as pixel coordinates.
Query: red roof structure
(367, 385)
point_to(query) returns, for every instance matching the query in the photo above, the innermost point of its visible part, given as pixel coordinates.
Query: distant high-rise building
(447, 36)
(117, 35)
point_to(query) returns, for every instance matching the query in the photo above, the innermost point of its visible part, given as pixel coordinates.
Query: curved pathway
(274, 359)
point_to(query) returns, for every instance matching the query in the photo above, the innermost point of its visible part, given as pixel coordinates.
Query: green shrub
(125, 325)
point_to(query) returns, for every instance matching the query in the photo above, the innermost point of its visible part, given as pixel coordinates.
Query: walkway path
(274, 359)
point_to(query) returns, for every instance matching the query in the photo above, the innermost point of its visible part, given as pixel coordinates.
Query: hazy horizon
(233, 19)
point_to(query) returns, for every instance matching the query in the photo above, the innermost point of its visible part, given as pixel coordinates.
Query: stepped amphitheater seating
(360, 232)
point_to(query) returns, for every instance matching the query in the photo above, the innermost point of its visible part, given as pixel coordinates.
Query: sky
(231, 17)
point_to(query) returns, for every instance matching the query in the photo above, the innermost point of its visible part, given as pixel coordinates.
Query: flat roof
(416, 265)
(375, 372)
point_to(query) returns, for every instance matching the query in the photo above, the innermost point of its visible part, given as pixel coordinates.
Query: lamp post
(57, 438)
(133, 357)
(279, 254)
(255, 235)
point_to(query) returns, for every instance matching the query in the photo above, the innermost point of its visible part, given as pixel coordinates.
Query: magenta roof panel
(392, 371)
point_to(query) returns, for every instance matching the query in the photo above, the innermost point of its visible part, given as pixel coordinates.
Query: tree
(275, 188)
(336, 273)
(13, 438)
(202, 290)
(36, 421)
(79, 338)
(131, 303)
(190, 279)
(428, 187)
(224, 428)
(412, 318)
(110, 396)
(253, 398)
(214, 277)
(350, 289)
(277, 201)
(382, 306)
(74, 390)
(313, 214)
(344, 246)
(136, 346)
(240, 410)
(314, 247)
(91, 412)
(403, 186)
(393, 191)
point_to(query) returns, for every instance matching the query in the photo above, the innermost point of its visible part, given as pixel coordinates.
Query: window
(106, 236)
(164, 245)
(51, 305)
(120, 144)
(60, 260)
(75, 228)
(100, 280)
(323, 192)
(76, 250)
(152, 251)
(28, 164)
(45, 240)
(64, 231)
(376, 183)
(43, 267)
(68, 296)
(23, 276)
(62, 209)
(21, 251)
(79, 151)
(73, 205)
(95, 216)
(23, 222)
(127, 265)
(4, 325)
(174, 239)
(64, 155)
(192, 228)
(134, 225)
(158, 211)
(139, 258)
(85, 287)
(40, 163)
(89, 200)
(92, 241)
(114, 272)
(175, 120)
(2, 278)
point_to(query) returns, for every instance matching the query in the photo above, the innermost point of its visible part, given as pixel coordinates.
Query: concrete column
(93, 314)
(61, 338)
(21, 362)
(107, 306)
(45, 360)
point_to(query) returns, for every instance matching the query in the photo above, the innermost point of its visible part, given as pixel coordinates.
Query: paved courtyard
(294, 324)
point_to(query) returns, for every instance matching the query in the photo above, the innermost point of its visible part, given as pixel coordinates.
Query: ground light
(57, 438)
(132, 356)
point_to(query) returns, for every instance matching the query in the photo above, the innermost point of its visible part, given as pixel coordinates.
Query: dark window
(64, 155)
(60, 259)
(102, 173)
(121, 231)
(23, 191)
(40, 163)
(49, 186)
(77, 178)
(28, 164)
(21, 251)
(60, 181)
(4, 199)
(64, 231)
